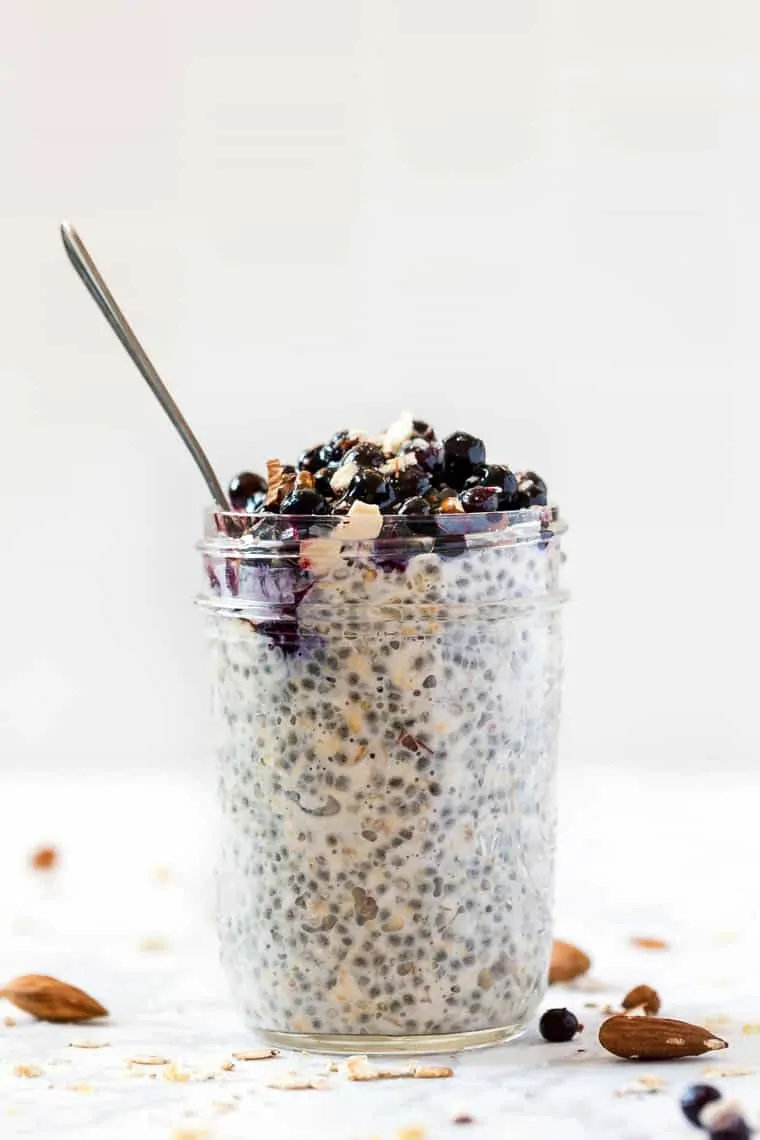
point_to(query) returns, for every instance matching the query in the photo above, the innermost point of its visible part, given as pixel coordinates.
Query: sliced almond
(293, 1083)
(89, 1044)
(256, 1054)
(148, 1059)
(656, 1038)
(642, 997)
(567, 962)
(49, 999)
(646, 943)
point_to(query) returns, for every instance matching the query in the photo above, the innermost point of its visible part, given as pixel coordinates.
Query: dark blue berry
(463, 455)
(449, 545)
(371, 486)
(531, 490)
(311, 460)
(412, 481)
(558, 1025)
(423, 430)
(365, 455)
(499, 475)
(304, 501)
(427, 453)
(694, 1099)
(247, 491)
(480, 499)
(337, 446)
(322, 481)
(417, 514)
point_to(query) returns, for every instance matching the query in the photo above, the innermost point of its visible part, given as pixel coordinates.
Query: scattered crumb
(416, 1132)
(645, 943)
(292, 1082)
(751, 1028)
(590, 1004)
(256, 1054)
(153, 945)
(10, 1022)
(81, 1087)
(642, 1085)
(718, 1072)
(580, 1050)
(227, 1066)
(719, 1020)
(178, 1076)
(608, 1010)
(162, 874)
(462, 1118)
(90, 1045)
(44, 858)
(148, 1059)
(27, 1071)
(359, 1069)
(432, 1072)
(190, 1134)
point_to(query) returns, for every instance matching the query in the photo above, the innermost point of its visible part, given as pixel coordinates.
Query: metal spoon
(101, 294)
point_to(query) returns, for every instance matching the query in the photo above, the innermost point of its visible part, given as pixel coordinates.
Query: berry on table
(695, 1098)
(724, 1121)
(463, 455)
(247, 491)
(304, 501)
(559, 1025)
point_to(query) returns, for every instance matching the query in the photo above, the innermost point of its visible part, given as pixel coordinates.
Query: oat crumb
(647, 943)
(190, 1133)
(27, 1071)
(416, 1132)
(642, 1085)
(10, 1022)
(152, 945)
(44, 858)
(292, 1082)
(256, 1054)
(89, 1044)
(227, 1066)
(178, 1076)
(148, 1059)
(719, 1072)
(432, 1072)
(81, 1087)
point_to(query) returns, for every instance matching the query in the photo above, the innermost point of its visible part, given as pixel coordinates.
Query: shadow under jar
(386, 716)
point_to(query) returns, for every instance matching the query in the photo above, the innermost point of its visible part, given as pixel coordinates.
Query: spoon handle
(103, 298)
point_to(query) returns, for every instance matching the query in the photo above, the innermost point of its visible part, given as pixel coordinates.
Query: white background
(533, 219)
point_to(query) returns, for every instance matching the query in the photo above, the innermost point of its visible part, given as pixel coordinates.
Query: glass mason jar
(386, 710)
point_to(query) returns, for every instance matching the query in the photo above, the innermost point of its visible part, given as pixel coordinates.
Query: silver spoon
(103, 298)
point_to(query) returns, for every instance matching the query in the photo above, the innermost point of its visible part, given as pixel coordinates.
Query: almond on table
(49, 999)
(568, 962)
(656, 1038)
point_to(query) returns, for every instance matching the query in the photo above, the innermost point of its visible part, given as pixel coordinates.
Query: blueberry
(694, 1099)
(423, 430)
(499, 475)
(417, 514)
(531, 490)
(428, 453)
(337, 446)
(463, 455)
(411, 482)
(247, 491)
(370, 486)
(480, 499)
(322, 481)
(365, 455)
(304, 501)
(311, 460)
(558, 1025)
(449, 545)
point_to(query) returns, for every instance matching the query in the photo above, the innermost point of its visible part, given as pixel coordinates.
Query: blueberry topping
(411, 482)
(531, 490)
(480, 499)
(322, 481)
(417, 515)
(311, 460)
(365, 455)
(463, 455)
(337, 446)
(499, 475)
(414, 506)
(558, 1025)
(304, 501)
(247, 491)
(370, 486)
(694, 1099)
(423, 430)
(427, 453)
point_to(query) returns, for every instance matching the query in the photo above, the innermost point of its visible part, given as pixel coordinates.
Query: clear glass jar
(386, 715)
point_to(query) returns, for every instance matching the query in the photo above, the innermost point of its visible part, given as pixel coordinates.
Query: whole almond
(567, 962)
(48, 999)
(642, 996)
(656, 1038)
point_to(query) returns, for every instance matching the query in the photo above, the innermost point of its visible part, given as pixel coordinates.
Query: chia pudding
(386, 691)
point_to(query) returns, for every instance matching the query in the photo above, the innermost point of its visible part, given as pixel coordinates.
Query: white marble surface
(664, 855)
